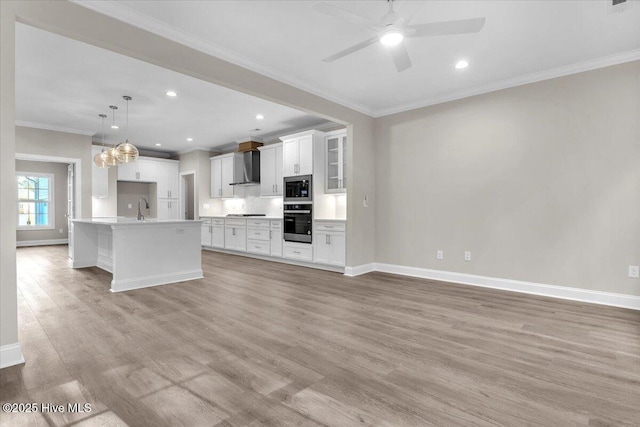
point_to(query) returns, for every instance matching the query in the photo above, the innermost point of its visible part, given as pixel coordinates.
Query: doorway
(188, 202)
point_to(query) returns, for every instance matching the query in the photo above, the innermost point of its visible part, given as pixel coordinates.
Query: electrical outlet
(634, 271)
(365, 202)
(61, 231)
(467, 256)
(205, 206)
(440, 255)
(179, 230)
(130, 206)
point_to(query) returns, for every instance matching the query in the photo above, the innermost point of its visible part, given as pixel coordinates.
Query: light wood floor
(259, 343)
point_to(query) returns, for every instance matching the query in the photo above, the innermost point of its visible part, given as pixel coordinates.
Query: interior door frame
(77, 174)
(183, 198)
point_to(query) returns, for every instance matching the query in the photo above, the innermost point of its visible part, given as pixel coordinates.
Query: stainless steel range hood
(250, 168)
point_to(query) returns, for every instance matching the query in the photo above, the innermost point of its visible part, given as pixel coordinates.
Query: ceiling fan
(393, 29)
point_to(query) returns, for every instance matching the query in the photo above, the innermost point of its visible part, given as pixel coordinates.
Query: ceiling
(521, 42)
(63, 84)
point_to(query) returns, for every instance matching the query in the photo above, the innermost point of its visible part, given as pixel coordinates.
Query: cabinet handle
(256, 247)
(220, 192)
(233, 231)
(329, 236)
(296, 252)
(326, 239)
(276, 188)
(270, 234)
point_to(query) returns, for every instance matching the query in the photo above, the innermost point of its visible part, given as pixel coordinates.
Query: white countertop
(330, 219)
(240, 217)
(132, 221)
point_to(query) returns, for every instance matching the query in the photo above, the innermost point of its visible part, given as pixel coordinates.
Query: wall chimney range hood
(250, 169)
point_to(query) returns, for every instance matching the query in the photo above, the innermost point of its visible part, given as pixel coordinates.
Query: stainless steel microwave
(298, 189)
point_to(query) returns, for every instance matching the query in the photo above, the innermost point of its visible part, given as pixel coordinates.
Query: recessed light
(462, 64)
(259, 117)
(171, 93)
(189, 139)
(115, 127)
(158, 145)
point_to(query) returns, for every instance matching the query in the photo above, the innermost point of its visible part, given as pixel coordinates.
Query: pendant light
(100, 159)
(126, 152)
(111, 158)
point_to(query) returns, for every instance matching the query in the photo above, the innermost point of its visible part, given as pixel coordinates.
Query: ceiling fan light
(391, 37)
(126, 152)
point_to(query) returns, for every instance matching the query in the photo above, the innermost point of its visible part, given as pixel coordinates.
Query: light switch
(129, 206)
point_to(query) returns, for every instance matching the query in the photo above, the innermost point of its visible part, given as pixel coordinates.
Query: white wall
(540, 182)
(59, 172)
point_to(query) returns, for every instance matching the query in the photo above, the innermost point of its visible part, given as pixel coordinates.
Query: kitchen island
(138, 254)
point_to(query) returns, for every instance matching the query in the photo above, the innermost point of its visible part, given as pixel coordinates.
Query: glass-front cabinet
(336, 161)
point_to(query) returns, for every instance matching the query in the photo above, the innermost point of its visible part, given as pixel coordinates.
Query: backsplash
(247, 201)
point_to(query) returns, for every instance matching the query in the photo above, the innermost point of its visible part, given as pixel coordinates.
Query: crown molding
(566, 70)
(123, 13)
(45, 126)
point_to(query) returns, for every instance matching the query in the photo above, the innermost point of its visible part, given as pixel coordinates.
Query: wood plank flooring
(257, 343)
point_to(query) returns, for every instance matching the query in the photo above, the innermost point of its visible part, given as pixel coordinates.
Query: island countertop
(133, 221)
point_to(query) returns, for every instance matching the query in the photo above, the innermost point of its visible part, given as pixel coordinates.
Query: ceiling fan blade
(464, 26)
(401, 57)
(340, 13)
(351, 49)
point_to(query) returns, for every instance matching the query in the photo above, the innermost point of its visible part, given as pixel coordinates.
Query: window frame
(50, 201)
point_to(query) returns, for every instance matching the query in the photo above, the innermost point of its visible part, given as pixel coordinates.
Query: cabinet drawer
(298, 251)
(276, 225)
(207, 222)
(235, 222)
(258, 233)
(258, 247)
(215, 221)
(262, 223)
(330, 226)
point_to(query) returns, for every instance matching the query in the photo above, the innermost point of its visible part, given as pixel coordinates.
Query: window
(35, 200)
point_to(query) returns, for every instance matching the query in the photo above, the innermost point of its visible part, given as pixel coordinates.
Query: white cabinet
(330, 243)
(144, 170)
(168, 178)
(213, 233)
(223, 173)
(168, 209)
(205, 233)
(297, 251)
(275, 238)
(271, 171)
(99, 177)
(235, 235)
(298, 152)
(336, 161)
(258, 235)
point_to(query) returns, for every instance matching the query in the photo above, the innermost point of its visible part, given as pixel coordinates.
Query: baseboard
(160, 279)
(42, 242)
(359, 269)
(10, 355)
(281, 260)
(562, 292)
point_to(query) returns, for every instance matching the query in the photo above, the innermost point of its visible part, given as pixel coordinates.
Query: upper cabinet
(143, 169)
(168, 179)
(223, 173)
(336, 161)
(271, 171)
(99, 177)
(298, 152)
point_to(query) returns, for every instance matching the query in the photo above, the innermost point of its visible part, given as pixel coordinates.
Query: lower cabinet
(330, 243)
(212, 234)
(264, 237)
(275, 238)
(235, 235)
(297, 251)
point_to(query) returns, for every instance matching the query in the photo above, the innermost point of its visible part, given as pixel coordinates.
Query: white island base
(138, 254)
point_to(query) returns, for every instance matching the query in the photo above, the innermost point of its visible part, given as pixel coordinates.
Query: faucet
(146, 203)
